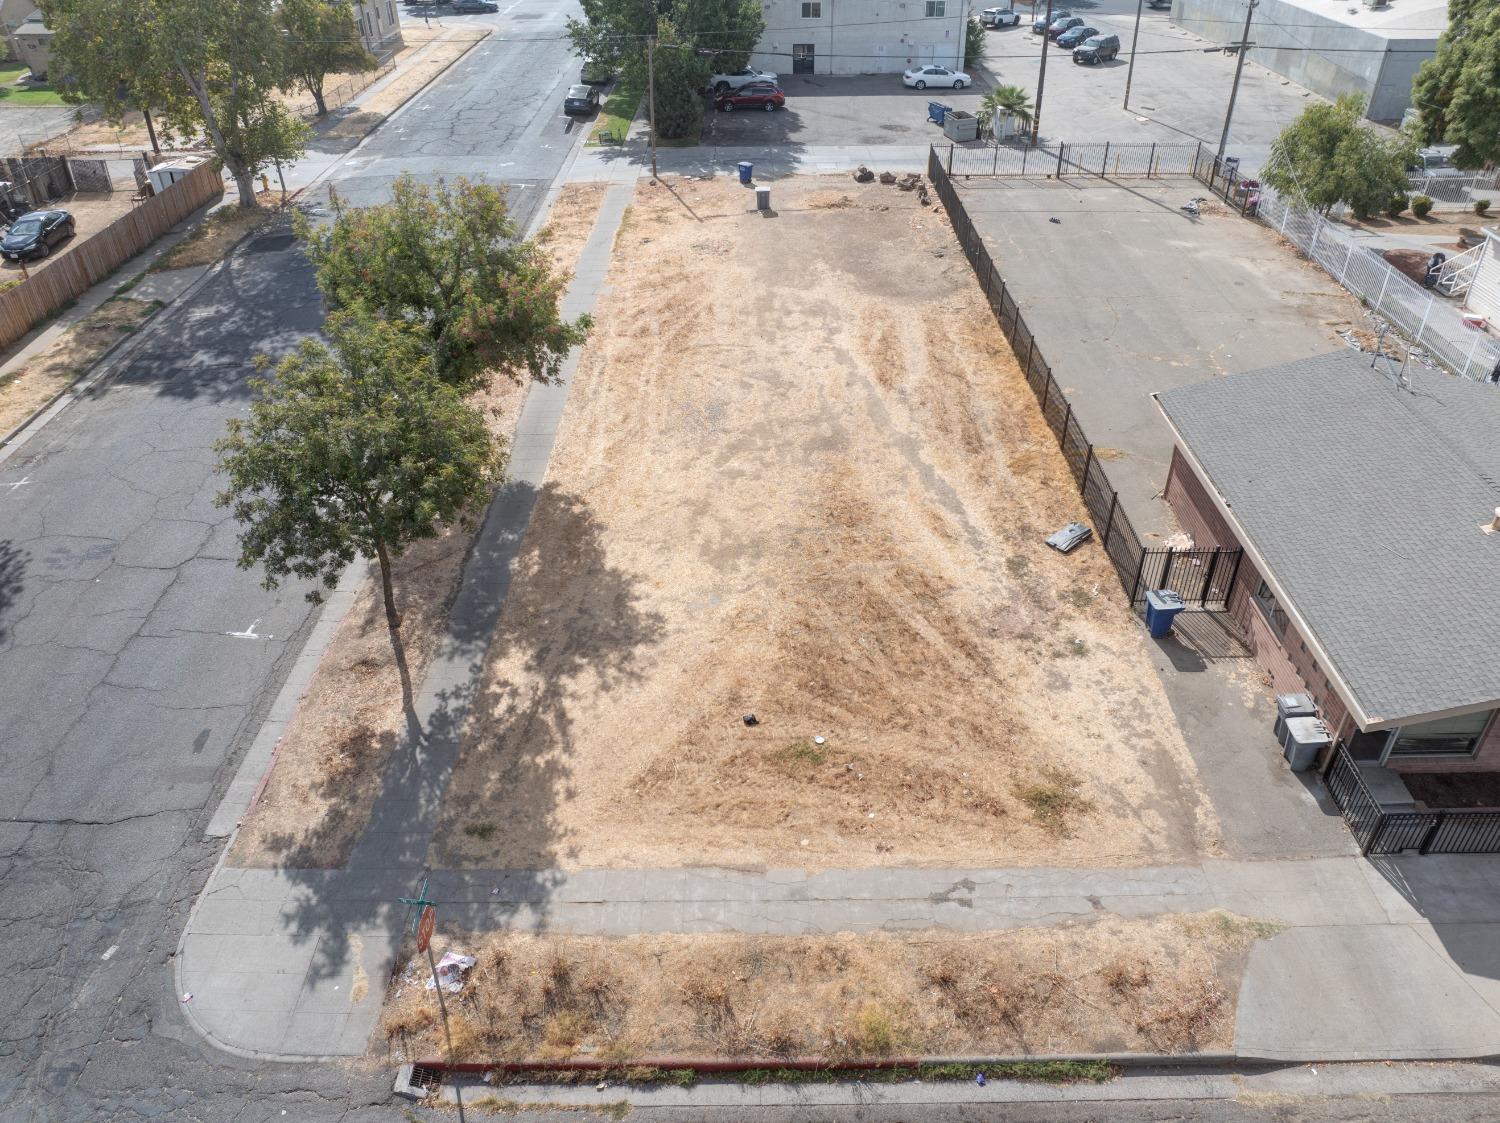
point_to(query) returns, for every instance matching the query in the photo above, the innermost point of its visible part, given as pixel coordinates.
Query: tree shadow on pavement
(572, 616)
(13, 561)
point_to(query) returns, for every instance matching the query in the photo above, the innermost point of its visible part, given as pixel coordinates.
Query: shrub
(1421, 205)
(1481, 207)
(1397, 206)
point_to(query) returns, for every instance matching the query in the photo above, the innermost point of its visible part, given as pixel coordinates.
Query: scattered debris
(907, 182)
(750, 719)
(187, 996)
(451, 970)
(887, 178)
(1069, 537)
(863, 174)
(820, 740)
(1055, 221)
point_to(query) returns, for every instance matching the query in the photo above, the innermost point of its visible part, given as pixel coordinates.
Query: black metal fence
(1222, 177)
(1376, 831)
(1058, 161)
(1204, 578)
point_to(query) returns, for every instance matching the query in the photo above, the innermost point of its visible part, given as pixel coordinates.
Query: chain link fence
(1058, 161)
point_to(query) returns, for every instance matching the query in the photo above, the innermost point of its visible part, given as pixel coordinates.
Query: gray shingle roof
(1365, 501)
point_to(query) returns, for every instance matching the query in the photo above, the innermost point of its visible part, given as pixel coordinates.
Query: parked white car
(723, 83)
(923, 76)
(1000, 17)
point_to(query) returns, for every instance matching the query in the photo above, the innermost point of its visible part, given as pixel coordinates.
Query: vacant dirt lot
(800, 476)
(1161, 985)
(332, 758)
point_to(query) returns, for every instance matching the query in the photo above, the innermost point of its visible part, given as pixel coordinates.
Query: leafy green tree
(321, 39)
(974, 42)
(446, 260)
(1012, 101)
(1327, 156)
(694, 39)
(209, 68)
(1457, 92)
(354, 449)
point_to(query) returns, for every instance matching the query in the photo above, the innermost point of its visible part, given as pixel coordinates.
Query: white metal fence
(1426, 316)
(1455, 190)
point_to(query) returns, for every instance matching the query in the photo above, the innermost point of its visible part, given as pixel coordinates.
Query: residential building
(13, 13)
(379, 24)
(1365, 499)
(1482, 276)
(32, 44)
(1331, 48)
(860, 36)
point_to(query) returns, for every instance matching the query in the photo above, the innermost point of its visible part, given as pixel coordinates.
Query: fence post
(1151, 162)
(1348, 254)
(1030, 350)
(995, 168)
(1385, 280)
(1432, 831)
(1067, 416)
(1104, 164)
(1046, 393)
(1088, 462)
(1109, 519)
(950, 159)
(1136, 584)
(1024, 152)
(1425, 314)
(1470, 359)
(1234, 575)
(1060, 147)
(1166, 569)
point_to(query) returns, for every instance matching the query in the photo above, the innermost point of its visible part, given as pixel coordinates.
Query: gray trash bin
(960, 124)
(1305, 738)
(1292, 705)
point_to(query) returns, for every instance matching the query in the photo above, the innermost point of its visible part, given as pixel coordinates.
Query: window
(1448, 736)
(1275, 615)
(937, 9)
(813, 10)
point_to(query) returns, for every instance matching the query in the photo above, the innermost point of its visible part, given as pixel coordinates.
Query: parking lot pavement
(822, 110)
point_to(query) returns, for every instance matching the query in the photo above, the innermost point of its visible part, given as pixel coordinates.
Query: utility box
(960, 124)
(1162, 607)
(1303, 740)
(164, 175)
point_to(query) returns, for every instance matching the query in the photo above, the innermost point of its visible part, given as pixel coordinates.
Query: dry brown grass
(68, 358)
(818, 492)
(333, 755)
(1112, 985)
(220, 231)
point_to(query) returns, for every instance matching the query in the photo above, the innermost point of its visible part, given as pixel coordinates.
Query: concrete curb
(730, 1065)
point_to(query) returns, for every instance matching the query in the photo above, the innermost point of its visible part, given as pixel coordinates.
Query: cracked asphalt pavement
(137, 660)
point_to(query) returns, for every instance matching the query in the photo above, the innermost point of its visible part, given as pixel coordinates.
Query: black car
(1075, 35)
(465, 6)
(1040, 25)
(581, 101)
(1097, 49)
(35, 233)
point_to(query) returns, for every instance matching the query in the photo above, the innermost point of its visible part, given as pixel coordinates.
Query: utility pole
(1239, 68)
(1135, 38)
(651, 96)
(1041, 79)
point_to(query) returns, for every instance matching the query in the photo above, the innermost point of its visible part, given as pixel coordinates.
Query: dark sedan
(1075, 35)
(466, 6)
(35, 233)
(1067, 23)
(757, 95)
(1039, 24)
(581, 101)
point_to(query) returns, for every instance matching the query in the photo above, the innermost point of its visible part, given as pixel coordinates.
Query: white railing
(1456, 189)
(1422, 314)
(1457, 273)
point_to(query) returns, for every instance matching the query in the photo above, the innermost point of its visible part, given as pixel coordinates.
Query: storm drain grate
(424, 1077)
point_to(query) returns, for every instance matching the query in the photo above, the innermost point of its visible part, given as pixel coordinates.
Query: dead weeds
(220, 231)
(1111, 985)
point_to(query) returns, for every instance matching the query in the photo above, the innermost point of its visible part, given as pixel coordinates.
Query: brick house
(1370, 580)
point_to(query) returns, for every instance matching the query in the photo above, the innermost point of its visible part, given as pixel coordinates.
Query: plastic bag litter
(450, 970)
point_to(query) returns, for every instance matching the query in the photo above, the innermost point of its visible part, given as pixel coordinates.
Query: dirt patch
(220, 231)
(1162, 985)
(332, 758)
(822, 502)
(1454, 789)
(68, 358)
(446, 49)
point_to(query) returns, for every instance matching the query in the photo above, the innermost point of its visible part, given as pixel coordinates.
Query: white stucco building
(860, 36)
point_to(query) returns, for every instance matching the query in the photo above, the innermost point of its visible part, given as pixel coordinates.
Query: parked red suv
(756, 95)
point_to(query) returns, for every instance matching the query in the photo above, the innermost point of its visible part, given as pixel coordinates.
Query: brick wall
(1292, 668)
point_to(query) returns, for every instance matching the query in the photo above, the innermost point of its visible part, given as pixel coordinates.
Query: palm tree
(1009, 101)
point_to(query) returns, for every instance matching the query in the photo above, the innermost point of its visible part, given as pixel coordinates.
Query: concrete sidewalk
(1399, 960)
(293, 963)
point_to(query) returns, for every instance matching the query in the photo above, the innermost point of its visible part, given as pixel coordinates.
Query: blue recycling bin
(936, 110)
(1162, 607)
(747, 169)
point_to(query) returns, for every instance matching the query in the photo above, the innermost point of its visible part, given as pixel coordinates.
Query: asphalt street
(136, 659)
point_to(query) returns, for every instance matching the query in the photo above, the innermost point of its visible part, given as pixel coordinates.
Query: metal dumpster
(960, 124)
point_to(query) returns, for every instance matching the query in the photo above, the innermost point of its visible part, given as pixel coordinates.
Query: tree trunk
(393, 625)
(316, 89)
(244, 183)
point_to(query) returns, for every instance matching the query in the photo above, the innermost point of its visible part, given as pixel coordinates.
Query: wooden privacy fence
(49, 288)
(1204, 578)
